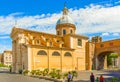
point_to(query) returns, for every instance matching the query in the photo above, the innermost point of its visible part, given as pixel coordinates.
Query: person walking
(69, 76)
(101, 79)
(92, 78)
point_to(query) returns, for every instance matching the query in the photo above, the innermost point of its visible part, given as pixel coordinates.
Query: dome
(65, 19)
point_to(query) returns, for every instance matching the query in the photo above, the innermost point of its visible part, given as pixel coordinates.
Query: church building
(64, 50)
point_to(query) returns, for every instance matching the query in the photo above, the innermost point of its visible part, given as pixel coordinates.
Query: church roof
(31, 31)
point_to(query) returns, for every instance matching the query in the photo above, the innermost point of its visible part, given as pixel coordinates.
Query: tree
(113, 56)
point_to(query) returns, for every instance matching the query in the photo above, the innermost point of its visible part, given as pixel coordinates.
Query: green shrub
(25, 72)
(2, 65)
(38, 72)
(114, 79)
(58, 76)
(33, 72)
(74, 74)
(65, 75)
(45, 72)
(53, 73)
(58, 71)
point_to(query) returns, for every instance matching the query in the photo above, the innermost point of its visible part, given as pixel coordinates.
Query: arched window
(58, 33)
(55, 54)
(64, 31)
(79, 42)
(67, 54)
(71, 31)
(41, 52)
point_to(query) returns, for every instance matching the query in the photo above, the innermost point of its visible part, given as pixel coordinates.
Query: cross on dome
(65, 10)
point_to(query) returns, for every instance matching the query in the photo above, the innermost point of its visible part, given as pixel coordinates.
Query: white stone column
(29, 58)
(71, 42)
(61, 61)
(48, 60)
(105, 62)
(118, 61)
(96, 63)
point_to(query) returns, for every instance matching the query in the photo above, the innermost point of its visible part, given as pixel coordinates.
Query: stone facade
(97, 52)
(7, 57)
(64, 50)
(37, 50)
(1, 58)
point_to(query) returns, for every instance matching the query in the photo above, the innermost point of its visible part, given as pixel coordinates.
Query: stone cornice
(7, 51)
(31, 31)
(79, 36)
(65, 25)
(46, 47)
(110, 40)
(15, 31)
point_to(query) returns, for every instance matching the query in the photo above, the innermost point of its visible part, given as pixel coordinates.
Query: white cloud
(98, 19)
(4, 37)
(116, 34)
(16, 14)
(110, 34)
(3, 47)
(92, 19)
(105, 34)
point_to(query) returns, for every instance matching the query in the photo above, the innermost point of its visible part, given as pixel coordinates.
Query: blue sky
(33, 7)
(92, 17)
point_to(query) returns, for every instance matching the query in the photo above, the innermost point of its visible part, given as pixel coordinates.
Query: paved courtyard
(6, 77)
(82, 77)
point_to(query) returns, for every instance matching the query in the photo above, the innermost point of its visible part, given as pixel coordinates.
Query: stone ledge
(51, 79)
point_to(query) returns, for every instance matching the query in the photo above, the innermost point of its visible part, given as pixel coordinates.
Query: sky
(91, 17)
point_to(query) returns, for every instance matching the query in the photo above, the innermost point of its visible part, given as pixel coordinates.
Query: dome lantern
(65, 24)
